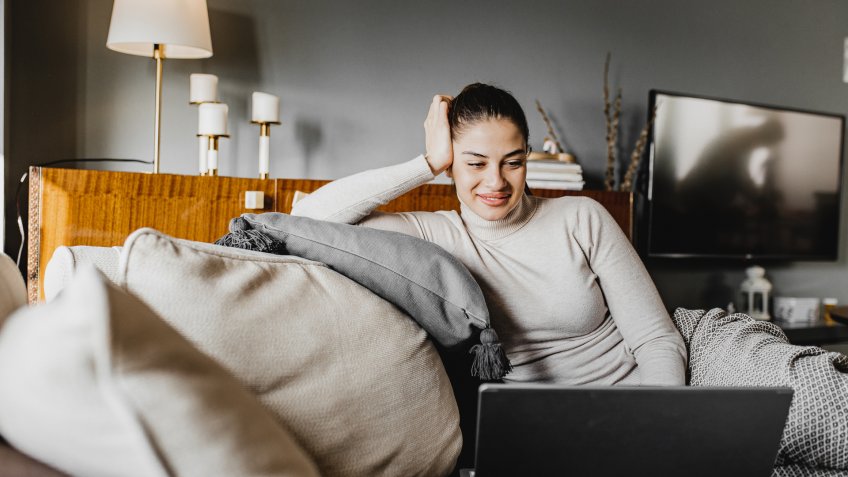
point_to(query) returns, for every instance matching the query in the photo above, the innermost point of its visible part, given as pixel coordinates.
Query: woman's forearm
(352, 198)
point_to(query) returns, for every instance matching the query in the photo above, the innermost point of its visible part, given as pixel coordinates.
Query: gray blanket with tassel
(736, 350)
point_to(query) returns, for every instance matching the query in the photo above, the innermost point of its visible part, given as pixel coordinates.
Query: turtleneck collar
(497, 229)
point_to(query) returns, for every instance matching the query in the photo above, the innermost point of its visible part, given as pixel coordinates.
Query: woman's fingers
(439, 101)
(434, 108)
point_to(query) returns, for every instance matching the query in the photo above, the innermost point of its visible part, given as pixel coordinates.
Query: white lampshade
(181, 25)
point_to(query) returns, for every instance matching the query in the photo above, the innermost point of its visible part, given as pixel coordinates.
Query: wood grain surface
(101, 208)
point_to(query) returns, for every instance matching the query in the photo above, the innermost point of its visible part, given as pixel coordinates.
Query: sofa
(196, 359)
(355, 384)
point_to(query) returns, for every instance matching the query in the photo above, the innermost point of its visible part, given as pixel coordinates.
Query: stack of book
(549, 173)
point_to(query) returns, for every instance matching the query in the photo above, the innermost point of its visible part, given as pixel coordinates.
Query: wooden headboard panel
(101, 208)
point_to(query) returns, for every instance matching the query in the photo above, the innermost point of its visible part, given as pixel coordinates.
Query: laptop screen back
(600, 431)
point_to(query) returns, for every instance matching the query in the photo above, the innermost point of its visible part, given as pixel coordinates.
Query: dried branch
(616, 122)
(550, 126)
(606, 93)
(636, 156)
(612, 126)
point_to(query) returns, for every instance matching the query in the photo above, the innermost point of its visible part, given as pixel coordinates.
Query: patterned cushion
(736, 350)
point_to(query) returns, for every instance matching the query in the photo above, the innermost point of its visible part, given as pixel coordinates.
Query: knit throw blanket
(736, 350)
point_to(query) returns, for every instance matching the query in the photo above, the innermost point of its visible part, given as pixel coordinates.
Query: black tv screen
(735, 180)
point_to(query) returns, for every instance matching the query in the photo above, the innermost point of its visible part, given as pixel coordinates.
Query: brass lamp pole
(159, 56)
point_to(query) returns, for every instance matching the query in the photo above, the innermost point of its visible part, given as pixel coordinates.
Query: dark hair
(479, 102)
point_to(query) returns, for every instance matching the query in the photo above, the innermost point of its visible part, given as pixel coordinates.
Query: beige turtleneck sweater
(567, 294)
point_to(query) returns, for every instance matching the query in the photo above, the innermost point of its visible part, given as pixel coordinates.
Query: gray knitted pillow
(417, 276)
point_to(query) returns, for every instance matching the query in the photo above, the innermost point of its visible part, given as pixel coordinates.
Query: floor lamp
(160, 29)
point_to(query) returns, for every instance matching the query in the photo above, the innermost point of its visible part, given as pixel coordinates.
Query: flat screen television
(736, 180)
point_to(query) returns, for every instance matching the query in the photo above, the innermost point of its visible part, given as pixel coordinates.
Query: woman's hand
(439, 152)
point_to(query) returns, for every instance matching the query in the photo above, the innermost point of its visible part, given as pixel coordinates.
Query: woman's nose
(494, 178)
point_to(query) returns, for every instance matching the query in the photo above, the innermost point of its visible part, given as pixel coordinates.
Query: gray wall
(355, 79)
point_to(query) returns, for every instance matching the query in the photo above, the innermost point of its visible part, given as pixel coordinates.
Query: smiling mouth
(494, 199)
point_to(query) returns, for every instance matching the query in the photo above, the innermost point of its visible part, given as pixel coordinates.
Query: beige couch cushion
(355, 380)
(95, 384)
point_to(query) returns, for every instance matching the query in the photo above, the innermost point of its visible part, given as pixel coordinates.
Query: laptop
(549, 430)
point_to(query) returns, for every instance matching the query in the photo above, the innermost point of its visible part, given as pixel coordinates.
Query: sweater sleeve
(352, 199)
(634, 302)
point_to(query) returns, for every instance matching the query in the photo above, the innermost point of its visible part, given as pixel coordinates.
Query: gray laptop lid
(612, 431)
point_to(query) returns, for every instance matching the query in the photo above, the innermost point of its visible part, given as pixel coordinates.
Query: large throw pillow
(422, 279)
(354, 379)
(736, 350)
(95, 384)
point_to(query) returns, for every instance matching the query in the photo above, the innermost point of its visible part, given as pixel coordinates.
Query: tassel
(490, 361)
(243, 237)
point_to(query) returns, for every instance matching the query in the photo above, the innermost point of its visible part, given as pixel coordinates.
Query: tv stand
(815, 333)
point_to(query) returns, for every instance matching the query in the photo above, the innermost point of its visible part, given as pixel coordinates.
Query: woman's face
(489, 167)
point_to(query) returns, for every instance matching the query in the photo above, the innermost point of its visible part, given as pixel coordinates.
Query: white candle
(266, 108)
(264, 154)
(204, 88)
(212, 119)
(203, 142)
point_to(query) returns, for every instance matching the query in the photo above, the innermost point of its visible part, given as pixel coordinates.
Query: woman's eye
(476, 165)
(515, 164)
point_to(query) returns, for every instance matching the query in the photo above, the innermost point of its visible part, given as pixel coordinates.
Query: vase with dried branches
(612, 114)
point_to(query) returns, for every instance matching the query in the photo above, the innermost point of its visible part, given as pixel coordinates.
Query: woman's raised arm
(352, 199)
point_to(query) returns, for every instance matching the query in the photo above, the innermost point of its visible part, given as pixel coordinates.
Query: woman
(567, 294)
